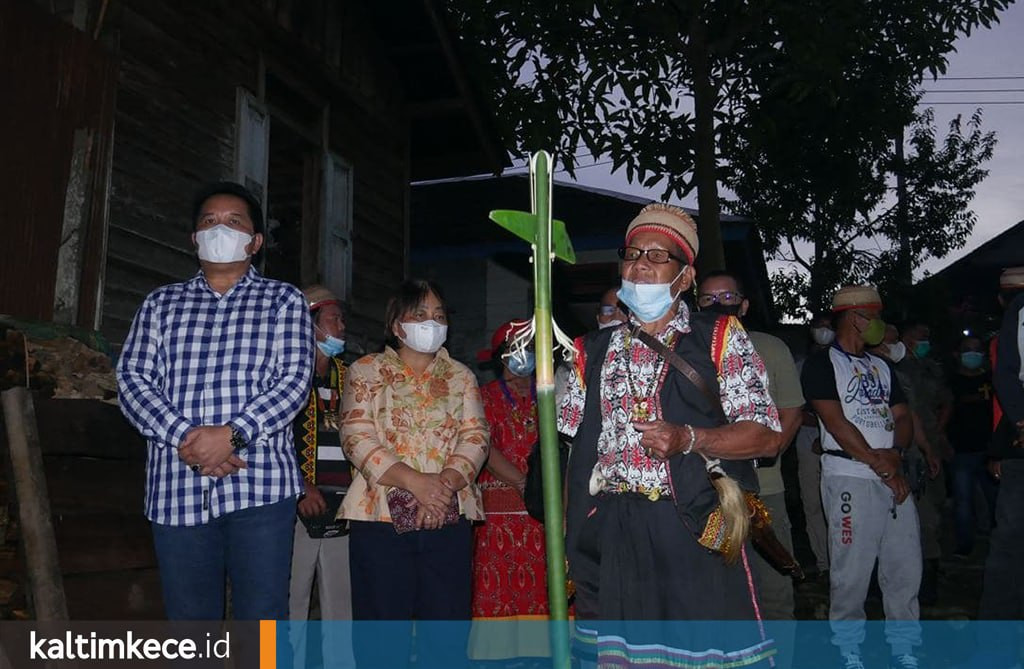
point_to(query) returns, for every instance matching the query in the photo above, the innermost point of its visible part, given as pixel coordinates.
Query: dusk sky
(987, 60)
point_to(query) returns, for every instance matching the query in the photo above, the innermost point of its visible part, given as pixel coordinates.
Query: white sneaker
(907, 661)
(852, 661)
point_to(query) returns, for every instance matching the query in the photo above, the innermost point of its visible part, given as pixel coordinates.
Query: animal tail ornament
(733, 525)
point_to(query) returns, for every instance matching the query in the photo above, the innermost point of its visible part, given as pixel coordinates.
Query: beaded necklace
(329, 410)
(521, 416)
(644, 402)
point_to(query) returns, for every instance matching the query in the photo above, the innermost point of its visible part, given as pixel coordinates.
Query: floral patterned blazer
(430, 421)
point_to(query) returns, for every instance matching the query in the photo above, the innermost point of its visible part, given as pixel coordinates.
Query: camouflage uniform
(927, 393)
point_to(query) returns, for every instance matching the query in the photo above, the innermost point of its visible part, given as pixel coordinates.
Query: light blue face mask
(522, 364)
(331, 346)
(972, 359)
(648, 301)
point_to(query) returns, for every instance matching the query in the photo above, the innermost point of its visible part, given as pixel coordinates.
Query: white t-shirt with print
(866, 388)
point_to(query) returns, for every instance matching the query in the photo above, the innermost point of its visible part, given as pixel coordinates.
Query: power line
(978, 78)
(975, 103)
(974, 90)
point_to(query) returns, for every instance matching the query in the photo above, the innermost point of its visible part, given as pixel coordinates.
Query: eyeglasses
(656, 256)
(725, 297)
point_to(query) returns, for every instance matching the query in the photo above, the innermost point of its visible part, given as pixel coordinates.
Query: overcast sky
(993, 53)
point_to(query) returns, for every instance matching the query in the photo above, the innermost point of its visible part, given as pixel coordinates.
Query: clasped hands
(209, 447)
(888, 464)
(434, 494)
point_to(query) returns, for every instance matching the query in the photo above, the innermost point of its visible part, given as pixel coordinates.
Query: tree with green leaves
(668, 89)
(871, 215)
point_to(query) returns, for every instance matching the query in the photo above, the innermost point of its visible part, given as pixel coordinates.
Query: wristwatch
(237, 440)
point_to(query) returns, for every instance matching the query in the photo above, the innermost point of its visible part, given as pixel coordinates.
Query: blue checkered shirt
(242, 359)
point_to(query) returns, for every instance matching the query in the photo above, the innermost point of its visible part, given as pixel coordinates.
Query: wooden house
(116, 112)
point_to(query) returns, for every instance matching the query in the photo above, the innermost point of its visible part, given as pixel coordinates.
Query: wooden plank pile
(60, 367)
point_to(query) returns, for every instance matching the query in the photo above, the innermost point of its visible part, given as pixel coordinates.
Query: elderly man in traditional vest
(657, 407)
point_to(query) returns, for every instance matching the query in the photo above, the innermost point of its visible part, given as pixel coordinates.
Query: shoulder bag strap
(684, 368)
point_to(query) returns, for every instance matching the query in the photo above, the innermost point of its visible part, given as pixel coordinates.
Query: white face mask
(823, 336)
(897, 351)
(425, 337)
(610, 324)
(221, 244)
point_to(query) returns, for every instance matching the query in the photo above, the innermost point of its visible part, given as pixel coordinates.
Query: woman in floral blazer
(412, 424)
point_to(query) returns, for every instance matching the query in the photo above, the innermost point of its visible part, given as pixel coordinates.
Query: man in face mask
(722, 293)
(609, 311)
(970, 431)
(931, 402)
(320, 550)
(647, 439)
(871, 516)
(212, 373)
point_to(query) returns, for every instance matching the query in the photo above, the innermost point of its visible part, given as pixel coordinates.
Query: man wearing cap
(1003, 594)
(212, 373)
(871, 516)
(321, 541)
(646, 538)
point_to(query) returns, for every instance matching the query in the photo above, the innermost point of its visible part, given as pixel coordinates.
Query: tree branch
(796, 256)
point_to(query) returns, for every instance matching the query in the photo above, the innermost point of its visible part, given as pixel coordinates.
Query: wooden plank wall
(181, 62)
(55, 80)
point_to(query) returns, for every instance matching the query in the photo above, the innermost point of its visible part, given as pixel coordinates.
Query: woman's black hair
(410, 295)
(229, 188)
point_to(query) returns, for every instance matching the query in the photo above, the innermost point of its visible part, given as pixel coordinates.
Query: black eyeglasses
(656, 256)
(726, 297)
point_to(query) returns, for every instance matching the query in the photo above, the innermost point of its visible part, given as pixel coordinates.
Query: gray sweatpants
(327, 561)
(861, 529)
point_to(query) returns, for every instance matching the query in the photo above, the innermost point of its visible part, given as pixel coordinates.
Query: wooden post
(46, 584)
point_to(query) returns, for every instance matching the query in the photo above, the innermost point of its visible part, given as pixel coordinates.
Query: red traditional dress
(509, 576)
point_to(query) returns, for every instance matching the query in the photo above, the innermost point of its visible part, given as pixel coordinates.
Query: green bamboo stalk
(537, 229)
(554, 518)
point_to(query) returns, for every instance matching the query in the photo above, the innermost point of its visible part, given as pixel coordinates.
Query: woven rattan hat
(318, 296)
(1012, 278)
(851, 297)
(670, 221)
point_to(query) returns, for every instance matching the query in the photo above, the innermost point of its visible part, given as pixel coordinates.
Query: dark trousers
(1003, 595)
(252, 546)
(422, 575)
(968, 470)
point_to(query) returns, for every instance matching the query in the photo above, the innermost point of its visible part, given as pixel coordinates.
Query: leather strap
(684, 368)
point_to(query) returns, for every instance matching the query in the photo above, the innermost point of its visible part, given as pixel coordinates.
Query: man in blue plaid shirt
(212, 374)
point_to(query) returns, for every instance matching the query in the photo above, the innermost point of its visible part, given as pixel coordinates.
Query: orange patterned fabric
(430, 421)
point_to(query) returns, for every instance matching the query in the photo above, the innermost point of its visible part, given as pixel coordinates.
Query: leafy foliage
(793, 105)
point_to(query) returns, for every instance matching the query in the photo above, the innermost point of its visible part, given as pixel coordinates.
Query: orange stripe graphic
(268, 644)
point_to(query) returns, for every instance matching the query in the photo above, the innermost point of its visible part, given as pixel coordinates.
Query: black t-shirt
(970, 426)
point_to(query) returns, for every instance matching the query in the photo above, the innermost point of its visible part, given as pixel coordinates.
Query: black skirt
(648, 593)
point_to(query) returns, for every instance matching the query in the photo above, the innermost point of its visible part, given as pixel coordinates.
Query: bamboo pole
(46, 585)
(548, 238)
(554, 517)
